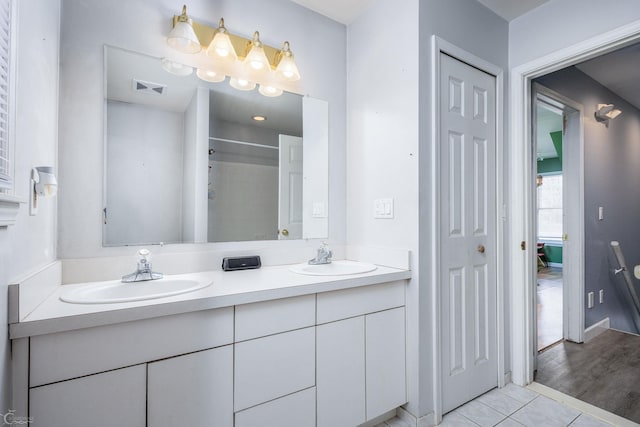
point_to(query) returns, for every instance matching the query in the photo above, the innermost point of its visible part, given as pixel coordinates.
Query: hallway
(603, 372)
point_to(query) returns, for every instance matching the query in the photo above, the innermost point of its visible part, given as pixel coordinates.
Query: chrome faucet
(143, 272)
(323, 256)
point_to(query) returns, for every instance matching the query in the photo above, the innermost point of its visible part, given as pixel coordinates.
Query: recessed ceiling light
(259, 118)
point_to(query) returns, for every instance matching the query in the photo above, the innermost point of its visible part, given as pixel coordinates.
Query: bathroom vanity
(265, 347)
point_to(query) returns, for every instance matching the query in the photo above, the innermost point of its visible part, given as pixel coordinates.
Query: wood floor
(604, 372)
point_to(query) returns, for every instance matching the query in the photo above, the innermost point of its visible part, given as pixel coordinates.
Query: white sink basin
(116, 291)
(335, 268)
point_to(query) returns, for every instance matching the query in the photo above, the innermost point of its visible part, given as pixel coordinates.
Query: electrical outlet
(590, 297)
(601, 296)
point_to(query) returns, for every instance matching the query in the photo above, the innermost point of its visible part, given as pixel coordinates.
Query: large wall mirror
(186, 161)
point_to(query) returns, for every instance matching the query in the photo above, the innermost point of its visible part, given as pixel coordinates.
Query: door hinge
(523, 245)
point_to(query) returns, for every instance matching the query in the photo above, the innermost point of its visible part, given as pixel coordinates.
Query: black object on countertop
(241, 263)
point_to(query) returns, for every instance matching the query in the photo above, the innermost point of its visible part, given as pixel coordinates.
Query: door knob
(285, 232)
(481, 249)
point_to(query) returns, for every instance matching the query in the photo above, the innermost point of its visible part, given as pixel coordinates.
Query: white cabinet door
(192, 390)
(385, 366)
(294, 410)
(341, 373)
(115, 398)
(274, 366)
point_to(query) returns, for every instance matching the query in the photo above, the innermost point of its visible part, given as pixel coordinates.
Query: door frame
(573, 278)
(438, 46)
(521, 225)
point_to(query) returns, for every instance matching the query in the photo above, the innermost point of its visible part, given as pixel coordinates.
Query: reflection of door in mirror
(290, 194)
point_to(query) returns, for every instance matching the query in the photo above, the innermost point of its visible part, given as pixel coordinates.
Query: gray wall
(611, 174)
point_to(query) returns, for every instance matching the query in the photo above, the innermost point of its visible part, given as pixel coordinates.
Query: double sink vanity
(301, 345)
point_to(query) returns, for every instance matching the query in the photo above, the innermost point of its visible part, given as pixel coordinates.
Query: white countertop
(228, 289)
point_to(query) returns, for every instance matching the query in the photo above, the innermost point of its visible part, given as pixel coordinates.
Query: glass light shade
(269, 91)
(287, 68)
(176, 68)
(221, 46)
(183, 39)
(256, 59)
(210, 75)
(241, 83)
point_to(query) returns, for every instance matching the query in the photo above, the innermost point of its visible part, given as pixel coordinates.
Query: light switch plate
(319, 210)
(383, 208)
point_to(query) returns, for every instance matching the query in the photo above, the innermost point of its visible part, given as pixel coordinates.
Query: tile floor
(512, 406)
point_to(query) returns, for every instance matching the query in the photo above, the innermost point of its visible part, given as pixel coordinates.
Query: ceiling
(346, 11)
(617, 71)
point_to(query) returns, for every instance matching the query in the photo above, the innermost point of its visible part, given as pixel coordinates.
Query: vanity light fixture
(43, 184)
(210, 75)
(606, 112)
(265, 64)
(182, 37)
(176, 68)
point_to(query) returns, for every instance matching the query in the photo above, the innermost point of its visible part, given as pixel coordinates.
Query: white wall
(142, 26)
(245, 202)
(388, 87)
(558, 24)
(30, 243)
(382, 140)
(144, 174)
(195, 168)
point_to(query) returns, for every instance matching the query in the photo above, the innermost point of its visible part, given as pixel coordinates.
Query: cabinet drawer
(337, 305)
(272, 317)
(64, 355)
(115, 398)
(294, 410)
(274, 366)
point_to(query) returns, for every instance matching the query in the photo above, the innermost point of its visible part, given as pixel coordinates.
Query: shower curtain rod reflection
(250, 144)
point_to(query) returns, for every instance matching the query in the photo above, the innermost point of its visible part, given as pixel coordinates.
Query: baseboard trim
(594, 330)
(427, 420)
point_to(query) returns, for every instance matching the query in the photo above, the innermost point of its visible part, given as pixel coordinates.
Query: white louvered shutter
(5, 89)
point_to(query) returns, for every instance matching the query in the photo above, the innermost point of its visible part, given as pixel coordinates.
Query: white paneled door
(290, 188)
(467, 231)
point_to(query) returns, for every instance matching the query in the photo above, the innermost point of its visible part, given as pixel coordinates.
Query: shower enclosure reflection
(189, 161)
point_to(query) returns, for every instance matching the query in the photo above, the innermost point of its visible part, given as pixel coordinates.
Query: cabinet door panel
(274, 366)
(385, 366)
(192, 390)
(115, 398)
(340, 371)
(295, 410)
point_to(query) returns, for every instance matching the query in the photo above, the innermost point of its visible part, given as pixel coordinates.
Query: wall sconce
(246, 61)
(606, 112)
(43, 184)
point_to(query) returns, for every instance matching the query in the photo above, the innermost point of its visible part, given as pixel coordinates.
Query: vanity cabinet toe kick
(327, 359)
